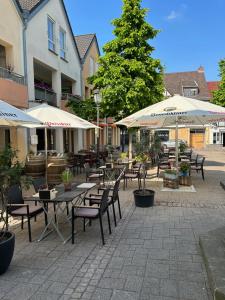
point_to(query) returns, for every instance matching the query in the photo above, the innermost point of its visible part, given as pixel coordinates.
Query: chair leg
(22, 222)
(158, 172)
(108, 217)
(118, 200)
(203, 177)
(29, 228)
(101, 228)
(84, 224)
(124, 183)
(67, 209)
(72, 225)
(114, 213)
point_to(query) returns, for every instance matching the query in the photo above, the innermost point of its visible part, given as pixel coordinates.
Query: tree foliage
(219, 95)
(85, 109)
(128, 77)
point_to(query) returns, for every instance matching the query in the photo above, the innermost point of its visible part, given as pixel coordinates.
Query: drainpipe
(25, 19)
(81, 79)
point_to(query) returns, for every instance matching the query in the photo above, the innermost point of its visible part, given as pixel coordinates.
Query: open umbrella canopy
(12, 116)
(176, 110)
(54, 117)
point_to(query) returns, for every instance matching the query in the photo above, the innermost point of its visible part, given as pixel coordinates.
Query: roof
(28, 4)
(83, 43)
(176, 82)
(213, 86)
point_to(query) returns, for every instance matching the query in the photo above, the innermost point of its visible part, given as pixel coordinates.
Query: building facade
(188, 84)
(53, 67)
(13, 85)
(88, 48)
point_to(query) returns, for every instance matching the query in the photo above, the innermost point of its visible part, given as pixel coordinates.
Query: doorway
(223, 139)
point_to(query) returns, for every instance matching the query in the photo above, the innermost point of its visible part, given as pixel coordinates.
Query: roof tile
(28, 4)
(83, 43)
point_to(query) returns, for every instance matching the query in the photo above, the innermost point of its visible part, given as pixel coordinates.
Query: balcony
(70, 97)
(45, 95)
(7, 74)
(13, 88)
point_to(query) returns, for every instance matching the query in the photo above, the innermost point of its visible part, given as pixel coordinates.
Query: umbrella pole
(176, 139)
(46, 157)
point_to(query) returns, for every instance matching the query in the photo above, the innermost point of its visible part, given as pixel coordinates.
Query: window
(188, 92)
(51, 34)
(62, 42)
(91, 66)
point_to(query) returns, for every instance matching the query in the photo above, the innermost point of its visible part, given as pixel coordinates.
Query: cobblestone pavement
(153, 253)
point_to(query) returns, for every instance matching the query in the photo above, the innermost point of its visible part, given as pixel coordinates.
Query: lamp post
(97, 98)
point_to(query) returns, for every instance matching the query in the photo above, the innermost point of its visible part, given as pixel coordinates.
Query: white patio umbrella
(176, 111)
(53, 117)
(12, 116)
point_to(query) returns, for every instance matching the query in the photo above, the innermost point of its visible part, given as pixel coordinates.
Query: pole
(97, 154)
(176, 139)
(130, 146)
(46, 157)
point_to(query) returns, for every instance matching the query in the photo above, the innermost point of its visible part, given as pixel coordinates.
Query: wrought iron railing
(45, 95)
(70, 97)
(7, 74)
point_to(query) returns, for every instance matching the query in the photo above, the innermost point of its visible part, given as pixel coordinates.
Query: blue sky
(192, 31)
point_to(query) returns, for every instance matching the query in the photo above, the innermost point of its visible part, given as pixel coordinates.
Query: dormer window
(190, 91)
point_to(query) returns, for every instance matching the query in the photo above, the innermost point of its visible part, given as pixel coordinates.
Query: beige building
(188, 84)
(88, 48)
(13, 84)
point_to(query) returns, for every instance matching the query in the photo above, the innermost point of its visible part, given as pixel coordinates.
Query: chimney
(201, 69)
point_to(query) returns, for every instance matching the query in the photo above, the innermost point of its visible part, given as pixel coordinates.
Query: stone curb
(213, 251)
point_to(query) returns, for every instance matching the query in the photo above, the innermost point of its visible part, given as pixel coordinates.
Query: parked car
(172, 143)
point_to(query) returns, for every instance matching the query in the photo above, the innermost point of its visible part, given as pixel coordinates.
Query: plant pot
(6, 250)
(67, 186)
(170, 176)
(184, 174)
(144, 198)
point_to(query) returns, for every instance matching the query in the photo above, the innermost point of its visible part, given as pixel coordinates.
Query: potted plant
(143, 197)
(184, 168)
(11, 172)
(182, 147)
(67, 179)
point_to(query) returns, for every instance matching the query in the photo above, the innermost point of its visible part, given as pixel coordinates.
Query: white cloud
(175, 14)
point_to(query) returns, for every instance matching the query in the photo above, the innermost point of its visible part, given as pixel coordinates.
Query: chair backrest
(115, 190)
(39, 183)
(14, 196)
(87, 168)
(202, 160)
(104, 201)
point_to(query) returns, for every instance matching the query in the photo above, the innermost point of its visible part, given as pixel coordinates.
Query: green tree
(85, 109)
(128, 77)
(219, 95)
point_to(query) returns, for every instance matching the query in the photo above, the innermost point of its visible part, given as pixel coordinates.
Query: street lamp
(97, 98)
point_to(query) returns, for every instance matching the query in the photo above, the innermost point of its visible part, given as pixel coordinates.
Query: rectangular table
(75, 196)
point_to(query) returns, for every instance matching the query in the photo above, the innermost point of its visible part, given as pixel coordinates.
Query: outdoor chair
(91, 213)
(199, 166)
(93, 174)
(163, 164)
(133, 173)
(112, 199)
(17, 208)
(39, 183)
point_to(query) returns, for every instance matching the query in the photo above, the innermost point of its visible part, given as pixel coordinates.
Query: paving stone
(110, 283)
(102, 294)
(124, 295)
(169, 288)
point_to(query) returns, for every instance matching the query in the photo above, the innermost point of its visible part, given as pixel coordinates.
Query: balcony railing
(45, 95)
(6, 74)
(70, 97)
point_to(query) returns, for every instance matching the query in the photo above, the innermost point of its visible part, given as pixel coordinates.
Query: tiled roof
(175, 82)
(28, 4)
(83, 43)
(212, 86)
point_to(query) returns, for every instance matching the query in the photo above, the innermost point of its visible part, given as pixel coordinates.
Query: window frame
(51, 42)
(62, 50)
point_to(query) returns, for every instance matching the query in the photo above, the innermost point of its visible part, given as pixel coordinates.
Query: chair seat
(95, 175)
(195, 168)
(86, 212)
(131, 175)
(33, 210)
